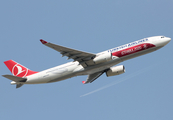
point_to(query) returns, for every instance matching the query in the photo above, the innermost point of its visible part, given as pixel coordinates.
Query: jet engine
(104, 57)
(117, 70)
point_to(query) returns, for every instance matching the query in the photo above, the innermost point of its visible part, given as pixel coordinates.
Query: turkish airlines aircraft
(93, 65)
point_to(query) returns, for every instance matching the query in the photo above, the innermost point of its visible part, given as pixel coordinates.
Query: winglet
(83, 82)
(43, 41)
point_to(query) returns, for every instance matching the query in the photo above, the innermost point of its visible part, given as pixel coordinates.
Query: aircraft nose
(162, 41)
(167, 40)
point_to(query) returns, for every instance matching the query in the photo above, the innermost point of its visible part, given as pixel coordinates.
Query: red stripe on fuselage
(133, 49)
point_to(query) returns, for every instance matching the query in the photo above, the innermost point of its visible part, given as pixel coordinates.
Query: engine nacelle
(104, 57)
(115, 70)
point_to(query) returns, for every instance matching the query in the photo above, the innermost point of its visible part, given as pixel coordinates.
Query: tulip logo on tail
(19, 71)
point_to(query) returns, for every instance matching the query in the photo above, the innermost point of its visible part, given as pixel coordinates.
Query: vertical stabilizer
(17, 69)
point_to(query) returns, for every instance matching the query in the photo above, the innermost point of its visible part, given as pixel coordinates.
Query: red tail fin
(17, 69)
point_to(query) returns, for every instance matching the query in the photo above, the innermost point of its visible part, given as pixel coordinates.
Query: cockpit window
(162, 37)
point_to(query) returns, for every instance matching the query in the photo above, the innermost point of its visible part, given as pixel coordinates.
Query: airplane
(85, 63)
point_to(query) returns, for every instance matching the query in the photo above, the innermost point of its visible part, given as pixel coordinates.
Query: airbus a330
(84, 63)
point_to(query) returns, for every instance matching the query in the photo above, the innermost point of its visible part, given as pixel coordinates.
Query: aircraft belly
(61, 78)
(53, 74)
(47, 77)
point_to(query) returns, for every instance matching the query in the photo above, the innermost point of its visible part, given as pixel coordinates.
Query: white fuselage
(120, 54)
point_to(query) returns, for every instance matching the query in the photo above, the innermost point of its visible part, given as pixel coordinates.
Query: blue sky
(143, 92)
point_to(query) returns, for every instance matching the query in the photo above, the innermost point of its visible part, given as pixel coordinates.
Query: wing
(92, 77)
(76, 55)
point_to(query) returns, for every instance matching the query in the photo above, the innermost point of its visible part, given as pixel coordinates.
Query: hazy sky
(144, 92)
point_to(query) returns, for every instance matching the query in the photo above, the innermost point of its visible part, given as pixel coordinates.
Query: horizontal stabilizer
(14, 78)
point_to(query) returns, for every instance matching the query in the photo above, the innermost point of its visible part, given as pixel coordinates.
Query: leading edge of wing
(77, 55)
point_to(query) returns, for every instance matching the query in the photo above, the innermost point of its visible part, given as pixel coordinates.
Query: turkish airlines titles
(133, 49)
(127, 45)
